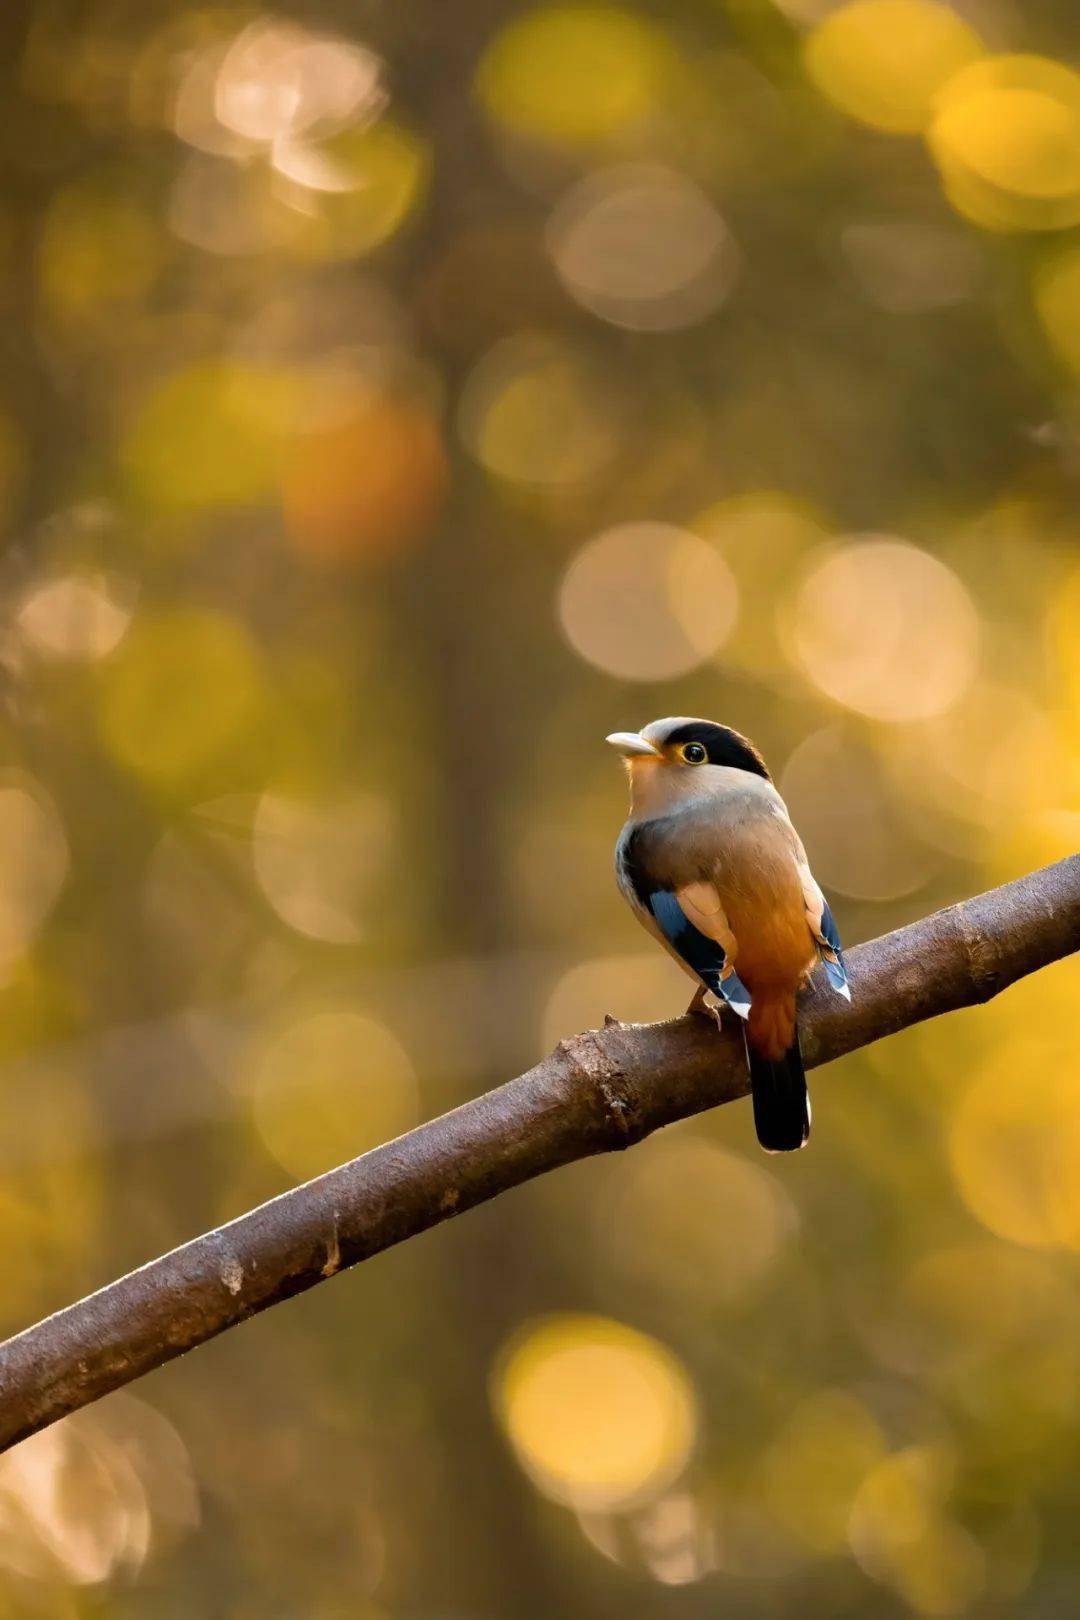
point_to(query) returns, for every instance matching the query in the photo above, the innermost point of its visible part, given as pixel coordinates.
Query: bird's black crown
(722, 745)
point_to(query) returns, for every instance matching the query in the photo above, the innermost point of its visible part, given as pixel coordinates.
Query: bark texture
(598, 1091)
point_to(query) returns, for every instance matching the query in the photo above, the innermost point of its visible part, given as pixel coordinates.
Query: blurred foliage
(396, 400)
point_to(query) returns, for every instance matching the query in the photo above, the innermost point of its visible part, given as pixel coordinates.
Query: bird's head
(665, 756)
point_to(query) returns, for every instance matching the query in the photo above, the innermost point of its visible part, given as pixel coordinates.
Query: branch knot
(590, 1060)
(980, 956)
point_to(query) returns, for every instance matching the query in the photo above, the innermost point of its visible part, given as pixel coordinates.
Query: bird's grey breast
(697, 840)
(664, 852)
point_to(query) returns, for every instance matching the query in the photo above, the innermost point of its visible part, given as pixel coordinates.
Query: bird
(713, 868)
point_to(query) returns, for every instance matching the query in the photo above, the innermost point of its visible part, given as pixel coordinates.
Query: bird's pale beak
(632, 745)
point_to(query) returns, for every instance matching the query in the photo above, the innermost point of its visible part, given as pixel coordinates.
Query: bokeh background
(395, 400)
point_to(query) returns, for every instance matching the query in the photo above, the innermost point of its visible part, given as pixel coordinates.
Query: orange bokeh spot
(366, 485)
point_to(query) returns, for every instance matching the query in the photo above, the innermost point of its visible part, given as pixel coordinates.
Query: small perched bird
(713, 867)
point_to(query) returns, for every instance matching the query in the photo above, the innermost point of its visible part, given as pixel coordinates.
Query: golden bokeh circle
(576, 75)
(327, 1085)
(886, 629)
(647, 601)
(182, 687)
(882, 61)
(1006, 137)
(600, 1416)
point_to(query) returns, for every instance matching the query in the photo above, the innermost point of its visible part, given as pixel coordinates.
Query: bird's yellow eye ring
(694, 753)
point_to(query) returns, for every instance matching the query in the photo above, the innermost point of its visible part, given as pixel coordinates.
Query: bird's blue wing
(822, 926)
(832, 956)
(698, 951)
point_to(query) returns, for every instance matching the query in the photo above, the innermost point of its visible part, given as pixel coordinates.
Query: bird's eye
(694, 753)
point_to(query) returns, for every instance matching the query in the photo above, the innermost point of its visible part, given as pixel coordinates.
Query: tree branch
(598, 1091)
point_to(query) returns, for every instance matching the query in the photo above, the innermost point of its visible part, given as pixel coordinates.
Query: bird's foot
(700, 1005)
(706, 1005)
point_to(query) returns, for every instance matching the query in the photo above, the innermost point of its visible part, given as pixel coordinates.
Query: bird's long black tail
(781, 1100)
